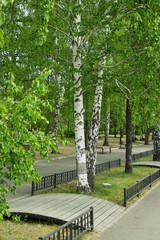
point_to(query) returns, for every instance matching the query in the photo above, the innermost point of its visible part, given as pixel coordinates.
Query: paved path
(61, 207)
(69, 163)
(139, 222)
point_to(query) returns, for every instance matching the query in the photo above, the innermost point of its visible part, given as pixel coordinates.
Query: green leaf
(2, 18)
(5, 2)
(1, 38)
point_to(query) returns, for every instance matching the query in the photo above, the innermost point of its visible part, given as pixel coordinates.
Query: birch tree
(94, 132)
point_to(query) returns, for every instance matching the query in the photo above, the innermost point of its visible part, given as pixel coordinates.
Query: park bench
(104, 148)
(122, 142)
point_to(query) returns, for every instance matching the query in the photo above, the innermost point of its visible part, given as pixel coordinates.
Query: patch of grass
(24, 230)
(148, 158)
(118, 180)
(32, 230)
(116, 177)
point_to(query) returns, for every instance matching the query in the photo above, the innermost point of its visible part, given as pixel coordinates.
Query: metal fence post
(71, 233)
(92, 219)
(125, 197)
(44, 182)
(55, 180)
(119, 162)
(150, 179)
(32, 189)
(137, 188)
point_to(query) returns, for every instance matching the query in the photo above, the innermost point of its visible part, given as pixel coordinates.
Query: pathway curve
(62, 207)
(147, 163)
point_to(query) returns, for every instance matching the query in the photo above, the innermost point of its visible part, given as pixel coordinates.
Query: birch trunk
(128, 166)
(156, 144)
(57, 111)
(107, 126)
(94, 133)
(82, 181)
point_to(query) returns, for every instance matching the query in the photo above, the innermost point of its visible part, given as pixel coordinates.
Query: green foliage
(19, 117)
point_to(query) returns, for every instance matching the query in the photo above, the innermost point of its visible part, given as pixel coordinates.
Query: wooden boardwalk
(147, 164)
(61, 207)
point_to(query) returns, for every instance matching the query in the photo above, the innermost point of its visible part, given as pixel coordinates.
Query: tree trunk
(156, 144)
(115, 130)
(82, 180)
(57, 112)
(86, 134)
(107, 126)
(133, 134)
(47, 129)
(128, 165)
(94, 133)
(147, 133)
(121, 135)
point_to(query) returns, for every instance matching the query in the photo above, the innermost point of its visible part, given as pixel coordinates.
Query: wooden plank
(65, 207)
(61, 206)
(102, 226)
(54, 203)
(106, 214)
(80, 208)
(33, 203)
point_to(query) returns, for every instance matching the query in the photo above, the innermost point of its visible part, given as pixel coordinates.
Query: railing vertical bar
(55, 178)
(92, 219)
(32, 190)
(125, 197)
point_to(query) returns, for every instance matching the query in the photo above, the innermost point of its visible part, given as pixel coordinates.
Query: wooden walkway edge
(61, 207)
(147, 164)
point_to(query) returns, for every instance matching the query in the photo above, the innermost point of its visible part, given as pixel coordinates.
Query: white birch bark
(57, 111)
(156, 144)
(82, 183)
(94, 133)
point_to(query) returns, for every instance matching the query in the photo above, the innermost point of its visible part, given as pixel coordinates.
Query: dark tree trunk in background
(121, 135)
(147, 133)
(133, 134)
(153, 133)
(47, 129)
(107, 126)
(128, 165)
(115, 130)
(156, 142)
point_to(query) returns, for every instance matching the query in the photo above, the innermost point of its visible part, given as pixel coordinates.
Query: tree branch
(118, 85)
(57, 29)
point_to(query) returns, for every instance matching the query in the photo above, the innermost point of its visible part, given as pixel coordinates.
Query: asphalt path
(138, 222)
(62, 164)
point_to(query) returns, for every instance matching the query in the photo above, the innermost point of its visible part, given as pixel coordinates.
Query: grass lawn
(24, 230)
(148, 158)
(116, 177)
(32, 230)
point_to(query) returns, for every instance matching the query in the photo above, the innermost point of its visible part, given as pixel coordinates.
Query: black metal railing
(74, 228)
(54, 180)
(139, 186)
(107, 165)
(141, 154)
(59, 178)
